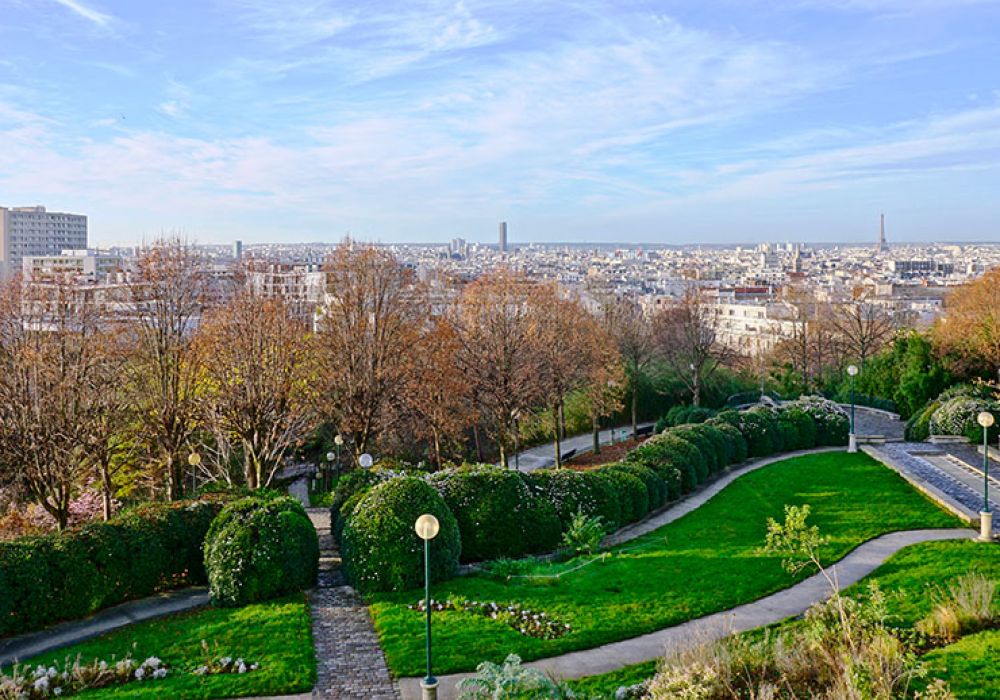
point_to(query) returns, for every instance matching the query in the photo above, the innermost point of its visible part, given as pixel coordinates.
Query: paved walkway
(542, 456)
(773, 608)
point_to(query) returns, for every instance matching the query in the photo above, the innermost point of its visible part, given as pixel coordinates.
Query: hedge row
(487, 512)
(75, 573)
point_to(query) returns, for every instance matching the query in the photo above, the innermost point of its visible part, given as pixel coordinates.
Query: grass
(707, 561)
(909, 578)
(276, 634)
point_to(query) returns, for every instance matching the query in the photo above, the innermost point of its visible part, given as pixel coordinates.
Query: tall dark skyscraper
(503, 236)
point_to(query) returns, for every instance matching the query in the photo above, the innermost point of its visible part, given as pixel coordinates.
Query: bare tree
(374, 313)
(861, 327)
(169, 291)
(687, 340)
(498, 354)
(259, 376)
(47, 387)
(632, 334)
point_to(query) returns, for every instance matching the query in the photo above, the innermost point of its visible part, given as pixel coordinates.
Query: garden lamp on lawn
(985, 419)
(194, 459)
(427, 527)
(330, 456)
(852, 440)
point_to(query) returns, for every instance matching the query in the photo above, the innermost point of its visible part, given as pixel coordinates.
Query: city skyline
(645, 123)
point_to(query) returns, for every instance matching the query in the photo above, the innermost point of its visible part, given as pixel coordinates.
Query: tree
(169, 291)
(632, 334)
(374, 313)
(438, 401)
(605, 384)
(969, 331)
(861, 328)
(686, 336)
(259, 374)
(498, 351)
(48, 386)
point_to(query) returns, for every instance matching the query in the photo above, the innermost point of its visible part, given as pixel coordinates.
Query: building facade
(33, 231)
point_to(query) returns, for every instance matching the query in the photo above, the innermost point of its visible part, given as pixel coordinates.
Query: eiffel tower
(882, 245)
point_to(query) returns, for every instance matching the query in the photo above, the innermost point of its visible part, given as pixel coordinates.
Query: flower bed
(25, 683)
(527, 622)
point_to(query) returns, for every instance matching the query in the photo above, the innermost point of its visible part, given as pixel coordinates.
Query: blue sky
(632, 121)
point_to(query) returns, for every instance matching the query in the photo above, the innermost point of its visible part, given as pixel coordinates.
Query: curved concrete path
(768, 610)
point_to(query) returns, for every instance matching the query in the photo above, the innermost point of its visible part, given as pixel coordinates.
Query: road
(544, 455)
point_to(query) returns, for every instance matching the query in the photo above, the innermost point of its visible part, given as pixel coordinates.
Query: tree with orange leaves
(969, 331)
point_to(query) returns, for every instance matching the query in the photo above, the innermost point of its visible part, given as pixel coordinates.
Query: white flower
(140, 673)
(152, 662)
(103, 666)
(225, 660)
(42, 684)
(57, 691)
(52, 672)
(201, 670)
(240, 668)
(160, 673)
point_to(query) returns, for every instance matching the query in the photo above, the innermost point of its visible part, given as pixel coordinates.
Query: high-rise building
(27, 231)
(503, 236)
(237, 250)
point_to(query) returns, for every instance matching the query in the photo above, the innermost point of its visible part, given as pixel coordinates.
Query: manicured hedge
(657, 490)
(760, 429)
(703, 444)
(832, 423)
(798, 429)
(260, 548)
(633, 499)
(681, 415)
(497, 514)
(571, 492)
(71, 574)
(381, 550)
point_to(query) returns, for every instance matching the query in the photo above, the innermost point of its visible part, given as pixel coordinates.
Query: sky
(576, 120)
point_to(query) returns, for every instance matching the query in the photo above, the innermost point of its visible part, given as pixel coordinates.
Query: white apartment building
(31, 231)
(753, 328)
(79, 265)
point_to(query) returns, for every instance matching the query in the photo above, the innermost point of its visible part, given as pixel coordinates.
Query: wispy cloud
(90, 14)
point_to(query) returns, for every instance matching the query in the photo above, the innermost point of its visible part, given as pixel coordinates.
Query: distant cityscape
(748, 285)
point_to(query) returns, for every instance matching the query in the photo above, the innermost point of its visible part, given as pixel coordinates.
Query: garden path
(768, 610)
(541, 456)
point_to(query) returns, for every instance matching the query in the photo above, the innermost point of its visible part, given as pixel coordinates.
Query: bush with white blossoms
(25, 682)
(215, 665)
(527, 622)
(957, 416)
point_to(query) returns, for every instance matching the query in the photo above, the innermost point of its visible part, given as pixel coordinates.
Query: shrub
(584, 533)
(704, 445)
(260, 548)
(382, 552)
(74, 573)
(918, 428)
(735, 442)
(684, 454)
(657, 490)
(759, 427)
(832, 422)
(957, 416)
(496, 512)
(683, 414)
(798, 429)
(353, 482)
(630, 491)
(717, 441)
(571, 491)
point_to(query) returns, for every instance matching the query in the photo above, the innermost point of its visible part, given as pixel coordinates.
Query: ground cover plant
(275, 635)
(704, 562)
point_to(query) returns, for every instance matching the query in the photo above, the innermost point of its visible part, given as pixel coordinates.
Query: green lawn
(909, 578)
(276, 634)
(707, 561)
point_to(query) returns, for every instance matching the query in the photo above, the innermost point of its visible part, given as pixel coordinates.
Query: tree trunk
(106, 491)
(597, 433)
(562, 420)
(437, 448)
(696, 391)
(555, 432)
(635, 409)
(503, 453)
(175, 480)
(479, 444)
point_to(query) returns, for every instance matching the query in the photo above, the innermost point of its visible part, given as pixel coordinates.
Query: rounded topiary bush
(798, 429)
(685, 454)
(657, 490)
(957, 416)
(718, 441)
(702, 442)
(497, 514)
(760, 429)
(735, 442)
(381, 550)
(832, 422)
(355, 482)
(260, 548)
(633, 499)
(571, 492)
(918, 428)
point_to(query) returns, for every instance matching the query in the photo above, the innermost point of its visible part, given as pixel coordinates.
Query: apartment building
(33, 231)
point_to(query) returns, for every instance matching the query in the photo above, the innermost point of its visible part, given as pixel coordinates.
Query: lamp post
(515, 415)
(985, 419)
(338, 441)
(852, 440)
(194, 459)
(330, 456)
(427, 527)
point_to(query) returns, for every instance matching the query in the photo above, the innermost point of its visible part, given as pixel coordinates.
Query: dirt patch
(609, 453)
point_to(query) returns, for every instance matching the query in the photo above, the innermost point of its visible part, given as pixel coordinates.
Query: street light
(852, 440)
(515, 414)
(194, 459)
(366, 460)
(427, 527)
(985, 419)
